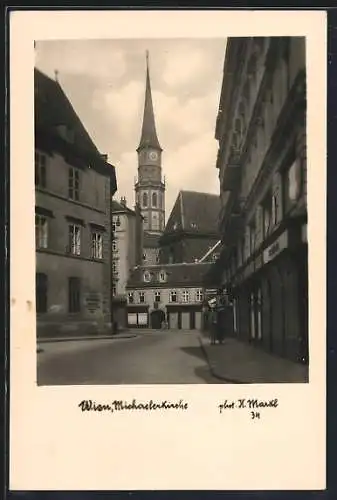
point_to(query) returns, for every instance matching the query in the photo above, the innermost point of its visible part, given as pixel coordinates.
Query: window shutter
(277, 207)
(259, 226)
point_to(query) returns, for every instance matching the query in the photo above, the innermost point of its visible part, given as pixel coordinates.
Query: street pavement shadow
(203, 372)
(194, 351)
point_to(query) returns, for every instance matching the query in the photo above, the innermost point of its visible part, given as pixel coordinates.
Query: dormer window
(193, 225)
(162, 276)
(147, 277)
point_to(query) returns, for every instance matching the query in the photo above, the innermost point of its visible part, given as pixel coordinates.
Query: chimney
(104, 157)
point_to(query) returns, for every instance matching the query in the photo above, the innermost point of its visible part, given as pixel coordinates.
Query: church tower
(149, 187)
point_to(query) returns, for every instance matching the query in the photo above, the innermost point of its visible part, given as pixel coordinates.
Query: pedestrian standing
(220, 318)
(213, 324)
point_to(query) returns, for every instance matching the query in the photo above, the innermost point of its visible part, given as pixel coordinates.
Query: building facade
(170, 294)
(149, 185)
(192, 228)
(261, 129)
(74, 184)
(127, 244)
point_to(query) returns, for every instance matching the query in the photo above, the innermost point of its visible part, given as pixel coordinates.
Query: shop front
(271, 297)
(184, 317)
(138, 317)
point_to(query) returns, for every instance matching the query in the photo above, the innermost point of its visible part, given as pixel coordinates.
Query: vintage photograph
(171, 211)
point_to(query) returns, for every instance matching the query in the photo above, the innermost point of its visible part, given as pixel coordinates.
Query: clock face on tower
(153, 155)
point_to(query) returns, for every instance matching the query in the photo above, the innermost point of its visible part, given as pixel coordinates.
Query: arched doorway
(157, 317)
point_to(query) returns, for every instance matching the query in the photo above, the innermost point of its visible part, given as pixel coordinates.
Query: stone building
(172, 290)
(261, 129)
(127, 252)
(74, 184)
(149, 185)
(166, 292)
(192, 228)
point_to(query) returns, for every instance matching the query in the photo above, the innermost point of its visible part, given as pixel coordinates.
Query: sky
(105, 82)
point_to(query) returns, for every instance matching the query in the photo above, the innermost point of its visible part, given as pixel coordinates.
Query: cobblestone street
(164, 357)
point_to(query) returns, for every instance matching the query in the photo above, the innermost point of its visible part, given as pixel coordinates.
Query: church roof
(53, 108)
(148, 135)
(177, 275)
(57, 122)
(150, 240)
(194, 212)
(117, 207)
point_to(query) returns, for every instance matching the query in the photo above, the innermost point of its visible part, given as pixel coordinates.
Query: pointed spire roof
(149, 135)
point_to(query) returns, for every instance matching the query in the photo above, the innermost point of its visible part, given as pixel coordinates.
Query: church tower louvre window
(149, 186)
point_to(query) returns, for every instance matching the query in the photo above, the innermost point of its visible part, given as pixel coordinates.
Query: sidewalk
(240, 363)
(122, 335)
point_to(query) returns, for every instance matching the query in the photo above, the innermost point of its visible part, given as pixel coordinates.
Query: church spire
(149, 135)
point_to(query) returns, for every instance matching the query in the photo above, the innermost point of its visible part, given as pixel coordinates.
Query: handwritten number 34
(254, 415)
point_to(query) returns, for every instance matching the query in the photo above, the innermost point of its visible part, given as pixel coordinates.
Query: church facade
(167, 289)
(150, 186)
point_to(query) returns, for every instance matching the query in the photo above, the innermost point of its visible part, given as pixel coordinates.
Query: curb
(213, 372)
(79, 339)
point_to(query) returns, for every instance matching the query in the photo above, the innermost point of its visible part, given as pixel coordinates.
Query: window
(199, 295)
(130, 297)
(114, 267)
(274, 209)
(114, 246)
(157, 296)
(74, 239)
(155, 222)
(114, 290)
(267, 211)
(147, 277)
(144, 256)
(252, 233)
(144, 199)
(292, 184)
(41, 231)
(173, 296)
(74, 184)
(141, 297)
(162, 276)
(97, 245)
(40, 170)
(185, 295)
(118, 221)
(154, 200)
(41, 293)
(74, 295)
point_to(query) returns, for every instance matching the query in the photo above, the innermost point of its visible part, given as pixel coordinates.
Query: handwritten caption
(254, 406)
(134, 405)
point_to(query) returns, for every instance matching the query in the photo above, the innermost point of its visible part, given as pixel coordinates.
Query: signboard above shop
(276, 248)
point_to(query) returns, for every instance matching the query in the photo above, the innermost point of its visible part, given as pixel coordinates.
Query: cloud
(192, 166)
(184, 66)
(105, 82)
(82, 58)
(185, 118)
